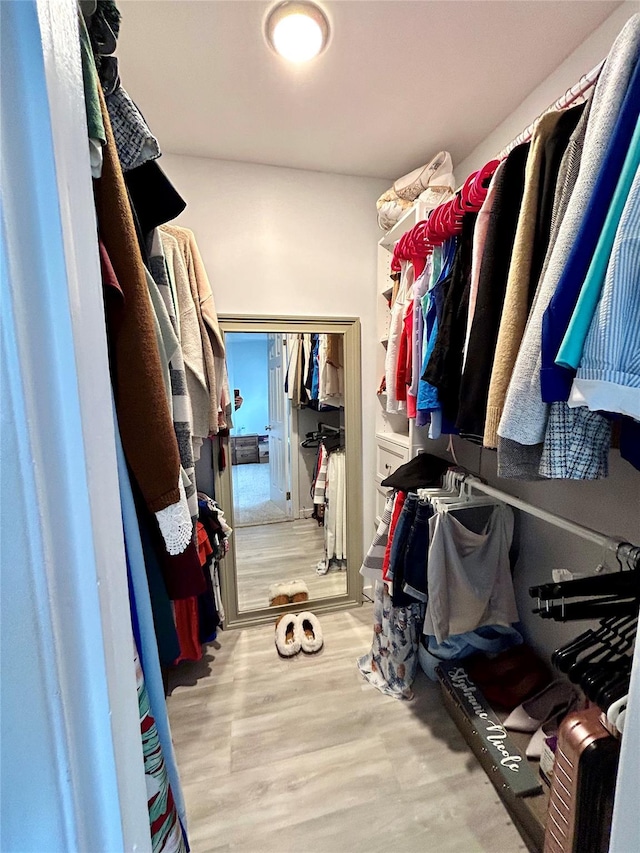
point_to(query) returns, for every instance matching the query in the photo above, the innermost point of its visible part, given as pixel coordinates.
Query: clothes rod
(586, 82)
(608, 542)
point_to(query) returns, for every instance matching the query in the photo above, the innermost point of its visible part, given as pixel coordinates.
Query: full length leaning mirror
(289, 474)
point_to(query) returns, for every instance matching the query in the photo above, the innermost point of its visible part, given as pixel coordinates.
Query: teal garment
(95, 125)
(571, 349)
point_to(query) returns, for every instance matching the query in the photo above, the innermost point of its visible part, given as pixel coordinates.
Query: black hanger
(609, 652)
(595, 682)
(594, 609)
(618, 686)
(565, 656)
(623, 584)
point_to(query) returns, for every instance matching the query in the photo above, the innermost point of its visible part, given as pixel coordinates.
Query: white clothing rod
(586, 82)
(587, 533)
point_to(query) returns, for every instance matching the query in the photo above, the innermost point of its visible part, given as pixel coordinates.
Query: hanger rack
(584, 84)
(618, 546)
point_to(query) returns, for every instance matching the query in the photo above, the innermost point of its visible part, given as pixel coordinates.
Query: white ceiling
(399, 80)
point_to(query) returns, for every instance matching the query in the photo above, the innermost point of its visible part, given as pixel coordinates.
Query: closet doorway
(259, 439)
(290, 470)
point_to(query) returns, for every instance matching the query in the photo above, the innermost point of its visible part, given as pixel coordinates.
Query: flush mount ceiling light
(298, 31)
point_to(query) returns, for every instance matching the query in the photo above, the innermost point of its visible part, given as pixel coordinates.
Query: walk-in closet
(320, 432)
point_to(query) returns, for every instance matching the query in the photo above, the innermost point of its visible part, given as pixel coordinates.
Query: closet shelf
(414, 215)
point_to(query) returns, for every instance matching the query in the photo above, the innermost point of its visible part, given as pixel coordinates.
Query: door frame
(77, 707)
(286, 422)
(350, 328)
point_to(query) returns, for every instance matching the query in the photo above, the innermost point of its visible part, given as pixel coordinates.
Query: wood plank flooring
(279, 756)
(269, 553)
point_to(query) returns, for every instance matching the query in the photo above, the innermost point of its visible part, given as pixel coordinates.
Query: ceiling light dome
(297, 30)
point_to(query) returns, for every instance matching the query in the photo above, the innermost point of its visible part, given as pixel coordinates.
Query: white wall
(582, 60)
(289, 242)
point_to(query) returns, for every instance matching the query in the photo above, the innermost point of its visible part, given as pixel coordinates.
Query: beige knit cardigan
(190, 336)
(212, 341)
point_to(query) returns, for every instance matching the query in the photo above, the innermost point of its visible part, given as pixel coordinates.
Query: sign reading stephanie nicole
(514, 768)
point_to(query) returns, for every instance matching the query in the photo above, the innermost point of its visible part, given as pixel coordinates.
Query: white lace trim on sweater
(175, 523)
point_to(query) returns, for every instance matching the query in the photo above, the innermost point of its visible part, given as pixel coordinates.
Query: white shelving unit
(397, 438)
(396, 435)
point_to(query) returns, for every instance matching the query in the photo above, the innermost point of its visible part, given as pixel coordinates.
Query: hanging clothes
(608, 378)
(190, 335)
(444, 369)
(336, 515)
(219, 397)
(420, 287)
(555, 381)
(398, 504)
(166, 831)
(143, 413)
(524, 419)
(533, 232)
(478, 250)
(180, 401)
(374, 558)
(428, 404)
(153, 638)
(393, 405)
(469, 576)
(570, 352)
(508, 187)
(331, 373)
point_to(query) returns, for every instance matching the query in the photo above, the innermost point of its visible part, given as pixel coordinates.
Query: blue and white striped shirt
(608, 378)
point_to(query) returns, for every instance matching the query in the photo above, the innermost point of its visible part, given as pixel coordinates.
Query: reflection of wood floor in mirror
(303, 756)
(270, 553)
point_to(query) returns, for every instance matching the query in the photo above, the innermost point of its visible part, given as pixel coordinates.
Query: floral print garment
(392, 662)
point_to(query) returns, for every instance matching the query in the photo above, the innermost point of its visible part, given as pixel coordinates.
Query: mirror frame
(350, 328)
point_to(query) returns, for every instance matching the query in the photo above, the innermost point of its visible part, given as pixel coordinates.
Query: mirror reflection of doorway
(276, 445)
(259, 451)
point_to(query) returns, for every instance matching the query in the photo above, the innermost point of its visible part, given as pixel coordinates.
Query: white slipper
(298, 591)
(278, 594)
(310, 633)
(288, 636)
(287, 592)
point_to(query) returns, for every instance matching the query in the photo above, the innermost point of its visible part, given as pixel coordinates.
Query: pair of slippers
(289, 592)
(298, 633)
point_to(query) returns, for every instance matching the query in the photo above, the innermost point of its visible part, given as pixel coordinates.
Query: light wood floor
(302, 755)
(269, 553)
